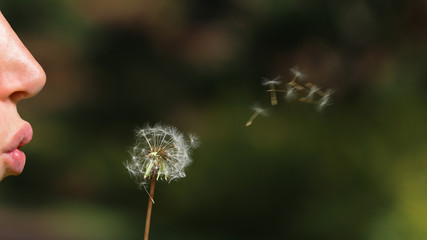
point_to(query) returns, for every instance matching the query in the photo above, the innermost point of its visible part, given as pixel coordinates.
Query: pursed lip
(22, 137)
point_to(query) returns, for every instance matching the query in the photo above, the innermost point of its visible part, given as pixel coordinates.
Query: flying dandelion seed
(194, 140)
(291, 93)
(296, 88)
(313, 90)
(272, 83)
(298, 74)
(257, 111)
(160, 153)
(325, 100)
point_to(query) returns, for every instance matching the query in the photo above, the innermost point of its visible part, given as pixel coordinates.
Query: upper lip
(22, 137)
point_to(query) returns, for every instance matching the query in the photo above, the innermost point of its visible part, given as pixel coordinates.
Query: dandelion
(257, 111)
(272, 83)
(160, 153)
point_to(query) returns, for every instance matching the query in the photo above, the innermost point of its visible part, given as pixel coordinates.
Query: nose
(21, 76)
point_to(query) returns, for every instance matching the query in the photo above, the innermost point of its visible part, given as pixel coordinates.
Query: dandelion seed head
(160, 151)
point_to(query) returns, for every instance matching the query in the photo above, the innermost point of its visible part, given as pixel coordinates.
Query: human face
(20, 77)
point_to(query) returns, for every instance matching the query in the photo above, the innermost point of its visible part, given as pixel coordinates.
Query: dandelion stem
(150, 206)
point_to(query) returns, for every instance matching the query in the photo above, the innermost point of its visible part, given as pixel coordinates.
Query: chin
(3, 172)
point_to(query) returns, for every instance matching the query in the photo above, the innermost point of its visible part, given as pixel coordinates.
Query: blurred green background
(356, 171)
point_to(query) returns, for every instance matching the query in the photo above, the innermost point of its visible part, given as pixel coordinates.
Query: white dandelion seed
(260, 110)
(298, 74)
(160, 151)
(257, 111)
(325, 100)
(194, 140)
(312, 91)
(291, 93)
(272, 83)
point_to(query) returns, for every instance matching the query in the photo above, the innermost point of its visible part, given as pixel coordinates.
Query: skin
(21, 77)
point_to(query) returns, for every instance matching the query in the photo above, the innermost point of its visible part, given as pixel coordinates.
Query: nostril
(19, 95)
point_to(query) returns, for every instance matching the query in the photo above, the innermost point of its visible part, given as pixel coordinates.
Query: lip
(15, 158)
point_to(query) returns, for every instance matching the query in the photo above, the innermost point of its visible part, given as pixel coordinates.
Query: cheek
(2, 169)
(3, 126)
(3, 81)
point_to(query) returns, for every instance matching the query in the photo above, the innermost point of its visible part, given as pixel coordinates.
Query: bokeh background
(358, 170)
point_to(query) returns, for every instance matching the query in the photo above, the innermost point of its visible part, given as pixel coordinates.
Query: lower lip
(15, 161)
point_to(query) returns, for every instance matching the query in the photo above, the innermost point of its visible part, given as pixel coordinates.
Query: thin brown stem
(150, 206)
